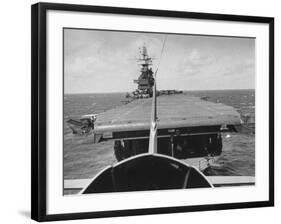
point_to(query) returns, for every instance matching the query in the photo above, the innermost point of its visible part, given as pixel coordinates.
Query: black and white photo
(204, 111)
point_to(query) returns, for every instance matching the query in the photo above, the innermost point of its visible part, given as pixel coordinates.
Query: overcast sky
(104, 61)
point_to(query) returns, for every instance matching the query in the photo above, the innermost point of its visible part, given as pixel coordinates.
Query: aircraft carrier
(188, 128)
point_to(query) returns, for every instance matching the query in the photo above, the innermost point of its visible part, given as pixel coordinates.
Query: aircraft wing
(75, 122)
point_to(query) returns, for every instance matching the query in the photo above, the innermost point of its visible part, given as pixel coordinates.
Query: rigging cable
(163, 46)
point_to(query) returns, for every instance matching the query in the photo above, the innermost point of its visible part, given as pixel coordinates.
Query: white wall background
(15, 110)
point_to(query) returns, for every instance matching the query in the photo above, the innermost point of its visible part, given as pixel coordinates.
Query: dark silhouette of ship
(145, 81)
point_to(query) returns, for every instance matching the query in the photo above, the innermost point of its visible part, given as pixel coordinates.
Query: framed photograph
(139, 111)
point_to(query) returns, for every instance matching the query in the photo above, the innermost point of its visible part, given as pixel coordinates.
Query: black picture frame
(39, 108)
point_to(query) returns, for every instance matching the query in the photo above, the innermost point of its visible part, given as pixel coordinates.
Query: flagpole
(153, 124)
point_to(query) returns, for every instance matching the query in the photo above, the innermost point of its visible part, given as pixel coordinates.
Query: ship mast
(153, 126)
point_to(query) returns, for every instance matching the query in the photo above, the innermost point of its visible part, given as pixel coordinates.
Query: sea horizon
(199, 90)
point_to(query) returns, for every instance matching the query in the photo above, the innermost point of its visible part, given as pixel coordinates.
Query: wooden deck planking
(172, 110)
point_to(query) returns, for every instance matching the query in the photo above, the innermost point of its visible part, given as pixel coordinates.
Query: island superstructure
(145, 81)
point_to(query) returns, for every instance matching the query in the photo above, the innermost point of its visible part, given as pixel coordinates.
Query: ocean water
(83, 159)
